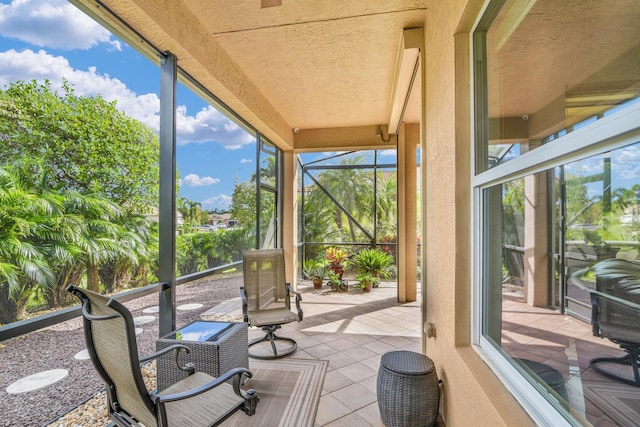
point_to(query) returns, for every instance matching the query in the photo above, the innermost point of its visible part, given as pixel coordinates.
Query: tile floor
(352, 331)
(567, 344)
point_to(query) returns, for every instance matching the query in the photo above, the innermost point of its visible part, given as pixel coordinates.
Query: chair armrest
(236, 373)
(189, 368)
(245, 305)
(290, 290)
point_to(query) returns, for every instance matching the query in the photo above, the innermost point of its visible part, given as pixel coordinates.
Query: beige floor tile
(371, 414)
(351, 420)
(370, 383)
(329, 409)
(357, 372)
(335, 380)
(355, 396)
(339, 360)
(359, 353)
(379, 347)
(342, 344)
(320, 351)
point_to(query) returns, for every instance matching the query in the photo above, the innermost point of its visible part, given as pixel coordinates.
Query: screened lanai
(348, 200)
(520, 110)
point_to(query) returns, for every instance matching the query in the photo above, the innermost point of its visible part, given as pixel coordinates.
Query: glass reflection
(552, 67)
(563, 282)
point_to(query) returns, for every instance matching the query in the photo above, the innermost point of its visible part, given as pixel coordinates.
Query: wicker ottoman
(408, 391)
(214, 354)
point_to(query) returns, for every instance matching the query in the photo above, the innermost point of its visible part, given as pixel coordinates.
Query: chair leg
(631, 358)
(272, 338)
(249, 406)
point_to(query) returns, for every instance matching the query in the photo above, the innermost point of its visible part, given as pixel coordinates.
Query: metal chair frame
(129, 402)
(266, 299)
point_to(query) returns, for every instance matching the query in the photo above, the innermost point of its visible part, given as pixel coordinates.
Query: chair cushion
(272, 317)
(203, 409)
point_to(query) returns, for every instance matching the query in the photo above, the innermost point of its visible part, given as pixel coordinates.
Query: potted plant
(336, 258)
(366, 281)
(373, 261)
(337, 285)
(316, 270)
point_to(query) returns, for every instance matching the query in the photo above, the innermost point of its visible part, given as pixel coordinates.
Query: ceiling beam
(407, 65)
(342, 139)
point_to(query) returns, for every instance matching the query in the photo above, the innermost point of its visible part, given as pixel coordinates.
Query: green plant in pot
(374, 262)
(316, 270)
(335, 282)
(366, 281)
(337, 259)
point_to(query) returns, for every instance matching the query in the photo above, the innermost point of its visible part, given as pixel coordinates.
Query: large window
(557, 190)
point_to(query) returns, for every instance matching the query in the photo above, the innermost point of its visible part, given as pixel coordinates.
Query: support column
(290, 215)
(167, 209)
(536, 222)
(408, 140)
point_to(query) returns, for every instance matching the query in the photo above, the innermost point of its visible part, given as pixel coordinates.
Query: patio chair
(197, 400)
(266, 301)
(616, 314)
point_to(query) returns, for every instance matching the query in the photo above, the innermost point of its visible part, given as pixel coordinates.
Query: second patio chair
(616, 316)
(266, 301)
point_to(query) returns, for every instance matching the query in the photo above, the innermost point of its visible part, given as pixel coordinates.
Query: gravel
(54, 348)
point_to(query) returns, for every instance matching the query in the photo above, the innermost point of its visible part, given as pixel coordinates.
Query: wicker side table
(227, 350)
(407, 388)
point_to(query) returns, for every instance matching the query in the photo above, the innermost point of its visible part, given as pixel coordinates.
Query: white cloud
(245, 161)
(628, 172)
(193, 180)
(208, 125)
(52, 23)
(221, 201)
(29, 65)
(629, 154)
(625, 162)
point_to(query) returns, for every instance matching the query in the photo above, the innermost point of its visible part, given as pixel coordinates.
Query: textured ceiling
(321, 64)
(311, 64)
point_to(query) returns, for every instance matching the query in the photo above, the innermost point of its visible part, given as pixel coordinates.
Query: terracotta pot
(342, 287)
(317, 283)
(366, 286)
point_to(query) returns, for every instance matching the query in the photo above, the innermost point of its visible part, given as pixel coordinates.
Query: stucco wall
(473, 395)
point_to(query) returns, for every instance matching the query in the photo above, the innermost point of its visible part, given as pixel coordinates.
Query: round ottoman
(407, 388)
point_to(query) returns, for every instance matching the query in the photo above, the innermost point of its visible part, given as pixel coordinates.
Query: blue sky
(51, 39)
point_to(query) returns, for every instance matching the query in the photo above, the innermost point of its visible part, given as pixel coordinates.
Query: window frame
(615, 130)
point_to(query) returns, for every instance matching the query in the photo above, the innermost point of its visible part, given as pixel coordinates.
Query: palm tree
(191, 211)
(195, 212)
(353, 189)
(386, 204)
(25, 231)
(188, 257)
(133, 234)
(98, 238)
